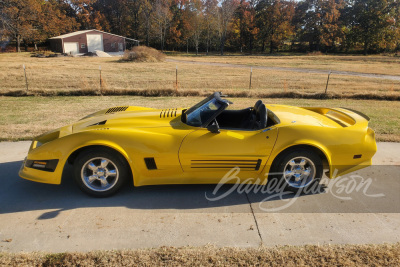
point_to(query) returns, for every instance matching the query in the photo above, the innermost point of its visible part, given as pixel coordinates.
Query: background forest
(346, 26)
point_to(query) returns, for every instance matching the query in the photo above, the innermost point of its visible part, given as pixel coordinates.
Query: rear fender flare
(299, 143)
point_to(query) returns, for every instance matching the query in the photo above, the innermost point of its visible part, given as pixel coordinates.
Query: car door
(208, 156)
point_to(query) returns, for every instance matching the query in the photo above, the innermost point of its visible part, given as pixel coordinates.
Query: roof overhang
(86, 31)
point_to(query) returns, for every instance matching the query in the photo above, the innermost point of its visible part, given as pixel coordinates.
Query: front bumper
(47, 175)
(43, 165)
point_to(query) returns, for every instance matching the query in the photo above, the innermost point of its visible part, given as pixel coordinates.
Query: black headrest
(257, 104)
(262, 116)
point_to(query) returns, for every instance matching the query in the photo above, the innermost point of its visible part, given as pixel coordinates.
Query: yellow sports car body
(201, 144)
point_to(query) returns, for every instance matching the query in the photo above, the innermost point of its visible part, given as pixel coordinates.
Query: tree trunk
(222, 45)
(251, 44)
(26, 46)
(147, 33)
(365, 48)
(161, 40)
(271, 47)
(18, 43)
(187, 46)
(208, 40)
(333, 47)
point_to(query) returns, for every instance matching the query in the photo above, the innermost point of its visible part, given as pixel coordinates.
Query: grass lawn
(67, 73)
(323, 255)
(25, 117)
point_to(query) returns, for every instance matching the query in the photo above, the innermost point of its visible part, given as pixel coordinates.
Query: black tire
(283, 165)
(107, 179)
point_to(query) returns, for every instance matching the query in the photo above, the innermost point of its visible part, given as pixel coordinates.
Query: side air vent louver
(171, 112)
(116, 109)
(150, 163)
(98, 123)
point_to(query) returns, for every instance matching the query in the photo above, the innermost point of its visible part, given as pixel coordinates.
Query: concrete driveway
(40, 217)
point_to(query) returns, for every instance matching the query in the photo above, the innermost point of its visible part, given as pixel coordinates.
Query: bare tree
(162, 18)
(195, 8)
(147, 15)
(226, 12)
(210, 20)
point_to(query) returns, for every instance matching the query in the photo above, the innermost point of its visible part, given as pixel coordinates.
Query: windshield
(200, 114)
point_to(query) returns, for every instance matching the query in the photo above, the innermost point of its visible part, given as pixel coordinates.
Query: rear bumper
(355, 157)
(342, 170)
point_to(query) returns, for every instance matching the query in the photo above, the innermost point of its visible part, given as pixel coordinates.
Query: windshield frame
(217, 96)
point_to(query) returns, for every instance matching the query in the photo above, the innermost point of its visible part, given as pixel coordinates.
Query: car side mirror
(214, 128)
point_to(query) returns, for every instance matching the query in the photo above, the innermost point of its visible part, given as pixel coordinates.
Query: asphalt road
(39, 217)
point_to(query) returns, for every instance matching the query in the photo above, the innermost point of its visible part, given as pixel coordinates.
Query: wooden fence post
(100, 80)
(327, 82)
(100, 76)
(251, 74)
(26, 78)
(176, 78)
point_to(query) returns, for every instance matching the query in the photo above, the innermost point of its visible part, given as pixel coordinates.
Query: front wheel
(298, 169)
(100, 172)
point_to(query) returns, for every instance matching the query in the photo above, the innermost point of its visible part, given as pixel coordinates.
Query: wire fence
(184, 77)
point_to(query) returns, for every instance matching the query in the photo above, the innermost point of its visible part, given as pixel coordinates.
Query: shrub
(315, 53)
(143, 54)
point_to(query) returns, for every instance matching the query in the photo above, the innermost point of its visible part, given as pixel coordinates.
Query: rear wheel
(298, 169)
(100, 172)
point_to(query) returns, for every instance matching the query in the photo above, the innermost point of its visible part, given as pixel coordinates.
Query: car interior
(252, 118)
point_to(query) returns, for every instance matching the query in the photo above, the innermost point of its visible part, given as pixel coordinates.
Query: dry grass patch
(143, 54)
(357, 63)
(25, 117)
(309, 255)
(75, 75)
(104, 91)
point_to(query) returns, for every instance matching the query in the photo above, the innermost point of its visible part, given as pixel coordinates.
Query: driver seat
(248, 123)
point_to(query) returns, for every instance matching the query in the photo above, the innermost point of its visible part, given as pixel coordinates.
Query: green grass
(22, 118)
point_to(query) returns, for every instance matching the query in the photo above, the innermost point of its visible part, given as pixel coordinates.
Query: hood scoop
(116, 109)
(168, 113)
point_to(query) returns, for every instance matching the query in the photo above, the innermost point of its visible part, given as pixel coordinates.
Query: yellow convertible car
(201, 144)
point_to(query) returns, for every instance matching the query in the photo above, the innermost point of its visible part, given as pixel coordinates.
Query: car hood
(115, 118)
(129, 117)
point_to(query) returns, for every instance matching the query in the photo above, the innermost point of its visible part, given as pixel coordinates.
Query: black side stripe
(226, 164)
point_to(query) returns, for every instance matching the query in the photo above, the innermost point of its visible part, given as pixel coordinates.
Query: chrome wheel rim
(299, 172)
(99, 174)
